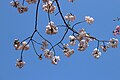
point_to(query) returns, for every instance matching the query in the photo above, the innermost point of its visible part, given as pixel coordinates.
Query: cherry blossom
(96, 53)
(15, 3)
(67, 51)
(72, 40)
(89, 19)
(70, 0)
(40, 57)
(22, 9)
(113, 43)
(104, 48)
(117, 30)
(20, 63)
(45, 1)
(17, 44)
(48, 7)
(51, 28)
(25, 46)
(31, 1)
(48, 54)
(82, 45)
(82, 33)
(55, 60)
(70, 17)
(44, 45)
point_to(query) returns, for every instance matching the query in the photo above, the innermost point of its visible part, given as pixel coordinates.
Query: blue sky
(81, 65)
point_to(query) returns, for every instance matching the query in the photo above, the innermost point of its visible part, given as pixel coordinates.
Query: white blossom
(67, 51)
(72, 40)
(89, 19)
(20, 63)
(48, 54)
(55, 60)
(51, 28)
(96, 53)
(82, 45)
(31, 1)
(22, 9)
(70, 17)
(15, 3)
(113, 43)
(81, 35)
(25, 46)
(49, 7)
(104, 48)
(45, 1)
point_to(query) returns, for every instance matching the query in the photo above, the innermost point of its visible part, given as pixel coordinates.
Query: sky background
(81, 65)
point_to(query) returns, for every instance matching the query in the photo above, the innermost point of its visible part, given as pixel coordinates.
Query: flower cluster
(72, 40)
(96, 53)
(89, 19)
(70, 17)
(117, 30)
(21, 8)
(82, 45)
(48, 6)
(84, 39)
(50, 55)
(113, 43)
(81, 36)
(67, 51)
(18, 46)
(20, 63)
(51, 28)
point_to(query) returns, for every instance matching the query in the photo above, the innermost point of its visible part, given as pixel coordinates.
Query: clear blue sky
(81, 65)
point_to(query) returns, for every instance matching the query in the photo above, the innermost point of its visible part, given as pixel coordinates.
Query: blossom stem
(34, 48)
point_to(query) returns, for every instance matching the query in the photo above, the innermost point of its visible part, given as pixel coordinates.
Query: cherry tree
(80, 38)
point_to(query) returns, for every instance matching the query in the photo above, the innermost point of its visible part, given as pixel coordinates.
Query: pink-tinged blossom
(96, 53)
(40, 57)
(15, 3)
(104, 48)
(44, 45)
(70, 17)
(51, 28)
(20, 63)
(25, 46)
(55, 60)
(48, 54)
(81, 35)
(22, 9)
(89, 19)
(71, 0)
(17, 44)
(117, 30)
(72, 40)
(45, 1)
(113, 43)
(31, 1)
(67, 51)
(49, 7)
(82, 45)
